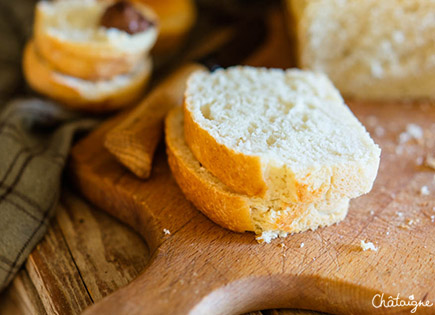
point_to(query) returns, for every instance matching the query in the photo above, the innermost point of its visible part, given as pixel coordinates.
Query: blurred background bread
(92, 96)
(370, 49)
(70, 36)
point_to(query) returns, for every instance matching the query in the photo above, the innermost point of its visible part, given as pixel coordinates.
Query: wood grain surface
(85, 256)
(200, 268)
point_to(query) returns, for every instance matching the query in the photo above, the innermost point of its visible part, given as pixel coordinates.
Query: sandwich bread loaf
(370, 49)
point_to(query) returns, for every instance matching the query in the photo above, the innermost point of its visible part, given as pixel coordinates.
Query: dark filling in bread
(125, 17)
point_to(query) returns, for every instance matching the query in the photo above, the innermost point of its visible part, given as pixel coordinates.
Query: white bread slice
(235, 211)
(370, 49)
(92, 96)
(279, 135)
(68, 35)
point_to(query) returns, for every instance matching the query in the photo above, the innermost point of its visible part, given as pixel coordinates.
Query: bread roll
(93, 96)
(69, 36)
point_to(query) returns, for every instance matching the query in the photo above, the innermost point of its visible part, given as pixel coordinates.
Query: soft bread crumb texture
(280, 135)
(267, 218)
(370, 49)
(77, 21)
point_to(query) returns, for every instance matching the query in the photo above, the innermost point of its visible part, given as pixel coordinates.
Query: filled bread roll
(92, 39)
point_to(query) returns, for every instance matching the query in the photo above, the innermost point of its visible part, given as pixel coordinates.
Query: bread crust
(44, 79)
(242, 173)
(227, 209)
(232, 210)
(86, 61)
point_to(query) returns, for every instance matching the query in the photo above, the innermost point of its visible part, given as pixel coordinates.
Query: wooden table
(85, 255)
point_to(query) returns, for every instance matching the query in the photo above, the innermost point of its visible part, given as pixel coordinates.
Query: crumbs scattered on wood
(368, 246)
(413, 131)
(432, 218)
(302, 245)
(166, 231)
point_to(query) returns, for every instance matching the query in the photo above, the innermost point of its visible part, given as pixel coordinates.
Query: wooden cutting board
(201, 268)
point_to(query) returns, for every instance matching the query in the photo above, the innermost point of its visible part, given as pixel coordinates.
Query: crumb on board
(379, 131)
(424, 191)
(372, 212)
(302, 245)
(413, 131)
(368, 246)
(166, 231)
(432, 218)
(387, 233)
(399, 214)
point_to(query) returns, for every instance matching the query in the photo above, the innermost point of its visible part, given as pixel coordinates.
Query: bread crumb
(368, 246)
(387, 233)
(399, 214)
(267, 236)
(413, 131)
(166, 231)
(302, 245)
(379, 131)
(410, 221)
(372, 212)
(432, 218)
(282, 245)
(424, 191)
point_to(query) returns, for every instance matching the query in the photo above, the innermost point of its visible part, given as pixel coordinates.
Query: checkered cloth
(35, 137)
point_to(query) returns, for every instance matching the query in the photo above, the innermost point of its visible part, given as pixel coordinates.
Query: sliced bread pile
(89, 54)
(268, 150)
(371, 49)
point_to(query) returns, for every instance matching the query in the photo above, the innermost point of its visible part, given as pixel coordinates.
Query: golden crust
(44, 79)
(85, 61)
(227, 209)
(242, 173)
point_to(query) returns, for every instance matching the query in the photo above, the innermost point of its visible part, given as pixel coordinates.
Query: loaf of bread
(278, 135)
(238, 212)
(370, 49)
(95, 96)
(73, 37)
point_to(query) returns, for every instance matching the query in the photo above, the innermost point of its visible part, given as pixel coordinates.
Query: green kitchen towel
(35, 137)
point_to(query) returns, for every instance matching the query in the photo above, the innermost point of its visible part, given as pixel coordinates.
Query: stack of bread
(89, 54)
(268, 150)
(370, 49)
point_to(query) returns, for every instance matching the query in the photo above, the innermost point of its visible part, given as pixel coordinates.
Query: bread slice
(370, 49)
(91, 96)
(278, 135)
(235, 211)
(67, 34)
